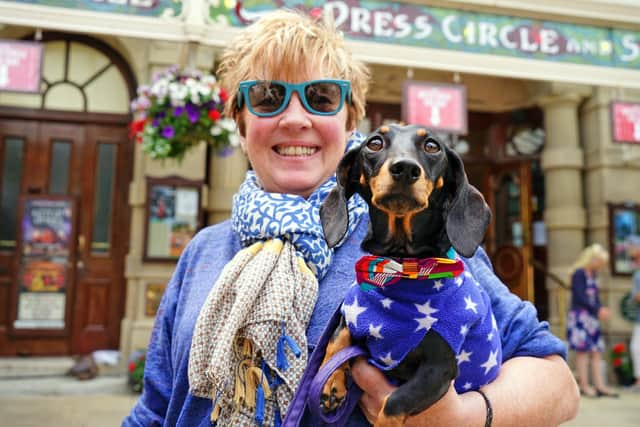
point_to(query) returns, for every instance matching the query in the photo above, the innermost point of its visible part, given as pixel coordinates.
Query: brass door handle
(81, 243)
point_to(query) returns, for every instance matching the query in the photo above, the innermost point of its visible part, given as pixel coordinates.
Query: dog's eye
(430, 146)
(375, 144)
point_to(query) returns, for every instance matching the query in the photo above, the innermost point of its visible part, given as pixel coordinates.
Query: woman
(294, 133)
(583, 323)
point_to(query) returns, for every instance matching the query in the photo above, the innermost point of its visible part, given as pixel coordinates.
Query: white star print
(491, 362)
(374, 331)
(351, 312)
(459, 281)
(425, 322)
(437, 285)
(464, 356)
(426, 308)
(387, 360)
(467, 386)
(386, 303)
(464, 329)
(490, 336)
(494, 324)
(470, 305)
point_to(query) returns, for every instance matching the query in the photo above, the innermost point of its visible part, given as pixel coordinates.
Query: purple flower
(168, 132)
(178, 111)
(155, 122)
(225, 151)
(193, 113)
(160, 114)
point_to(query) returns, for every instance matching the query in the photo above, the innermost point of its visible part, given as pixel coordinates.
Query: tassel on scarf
(281, 359)
(277, 422)
(251, 385)
(260, 398)
(215, 413)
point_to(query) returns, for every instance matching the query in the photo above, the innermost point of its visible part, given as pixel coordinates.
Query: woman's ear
(243, 143)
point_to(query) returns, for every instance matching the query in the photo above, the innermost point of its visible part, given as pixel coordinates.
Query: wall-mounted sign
(173, 217)
(452, 29)
(20, 66)
(129, 7)
(152, 296)
(44, 263)
(437, 106)
(625, 121)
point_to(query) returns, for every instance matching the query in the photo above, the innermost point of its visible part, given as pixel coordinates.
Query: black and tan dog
(420, 205)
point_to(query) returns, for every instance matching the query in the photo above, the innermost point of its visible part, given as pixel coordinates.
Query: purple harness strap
(314, 377)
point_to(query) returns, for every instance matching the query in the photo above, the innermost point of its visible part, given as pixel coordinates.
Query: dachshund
(421, 205)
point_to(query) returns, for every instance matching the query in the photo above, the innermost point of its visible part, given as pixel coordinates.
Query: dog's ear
(334, 214)
(468, 215)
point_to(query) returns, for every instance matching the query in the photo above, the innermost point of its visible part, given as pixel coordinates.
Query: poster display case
(44, 264)
(173, 215)
(624, 234)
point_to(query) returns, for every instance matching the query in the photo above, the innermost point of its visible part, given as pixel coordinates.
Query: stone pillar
(562, 162)
(225, 176)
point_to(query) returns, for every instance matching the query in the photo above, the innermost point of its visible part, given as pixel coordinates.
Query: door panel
(92, 163)
(103, 239)
(509, 241)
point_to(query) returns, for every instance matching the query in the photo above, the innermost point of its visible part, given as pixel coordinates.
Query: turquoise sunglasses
(268, 98)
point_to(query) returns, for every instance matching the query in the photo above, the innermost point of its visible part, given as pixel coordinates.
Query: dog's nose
(405, 171)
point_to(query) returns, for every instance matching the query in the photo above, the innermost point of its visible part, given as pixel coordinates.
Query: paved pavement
(103, 402)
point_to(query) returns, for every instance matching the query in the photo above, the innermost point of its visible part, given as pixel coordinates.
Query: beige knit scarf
(264, 294)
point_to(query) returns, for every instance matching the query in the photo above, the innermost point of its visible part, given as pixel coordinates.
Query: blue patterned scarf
(257, 215)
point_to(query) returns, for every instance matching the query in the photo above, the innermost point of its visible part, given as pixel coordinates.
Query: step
(21, 367)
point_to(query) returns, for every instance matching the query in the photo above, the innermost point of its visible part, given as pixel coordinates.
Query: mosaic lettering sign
(440, 28)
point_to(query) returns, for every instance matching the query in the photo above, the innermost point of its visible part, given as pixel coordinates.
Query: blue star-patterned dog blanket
(394, 304)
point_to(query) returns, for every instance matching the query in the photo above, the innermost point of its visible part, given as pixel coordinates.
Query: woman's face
(296, 151)
(598, 263)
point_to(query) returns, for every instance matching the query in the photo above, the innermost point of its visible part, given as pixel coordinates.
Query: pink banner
(437, 106)
(20, 66)
(625, 121)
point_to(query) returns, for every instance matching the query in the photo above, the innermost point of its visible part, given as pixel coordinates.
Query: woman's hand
(604, 314)
(453, 409)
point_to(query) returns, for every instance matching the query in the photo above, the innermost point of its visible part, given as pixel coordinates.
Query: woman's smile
(296, 150)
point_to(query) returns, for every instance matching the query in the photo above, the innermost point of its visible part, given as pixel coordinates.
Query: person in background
(297, 94)
(634, 252)
(583, 320)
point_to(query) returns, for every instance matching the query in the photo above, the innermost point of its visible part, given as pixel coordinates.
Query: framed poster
(44, 271)
(173, 215)
(624, 236)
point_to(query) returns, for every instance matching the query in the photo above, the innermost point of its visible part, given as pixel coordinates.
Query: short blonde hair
(289, 45)
(588, 254)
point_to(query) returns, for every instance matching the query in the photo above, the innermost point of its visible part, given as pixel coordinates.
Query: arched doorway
(69, 140)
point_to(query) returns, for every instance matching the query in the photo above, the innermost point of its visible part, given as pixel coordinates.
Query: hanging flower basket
(177, 111)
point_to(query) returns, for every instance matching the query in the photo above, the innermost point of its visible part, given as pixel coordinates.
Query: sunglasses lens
(323, 97)
(266, 97)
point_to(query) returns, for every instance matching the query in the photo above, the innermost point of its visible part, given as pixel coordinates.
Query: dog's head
(420, 200)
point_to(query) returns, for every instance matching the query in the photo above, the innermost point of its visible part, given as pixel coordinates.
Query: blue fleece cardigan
(166, 401)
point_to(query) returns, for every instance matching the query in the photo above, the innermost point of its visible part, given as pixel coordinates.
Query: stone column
(225, 176)
(562, 162)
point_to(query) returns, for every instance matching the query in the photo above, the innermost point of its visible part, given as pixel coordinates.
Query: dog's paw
(334, 392)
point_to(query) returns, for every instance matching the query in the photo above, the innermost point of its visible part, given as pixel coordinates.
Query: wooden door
(92, 163)
(509, 237)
